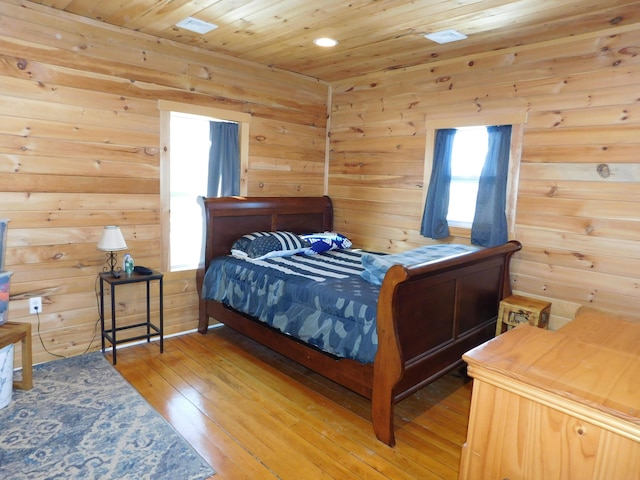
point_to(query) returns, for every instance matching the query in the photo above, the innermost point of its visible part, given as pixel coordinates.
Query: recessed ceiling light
(445, 36)
(325, 42)
(195, 25)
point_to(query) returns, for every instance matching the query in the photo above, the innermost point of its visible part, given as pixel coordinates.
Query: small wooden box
(515, 310)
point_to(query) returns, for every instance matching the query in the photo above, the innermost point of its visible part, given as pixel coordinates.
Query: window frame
(166, 107)
(452, 117)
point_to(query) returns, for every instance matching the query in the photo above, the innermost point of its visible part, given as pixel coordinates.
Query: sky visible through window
(189, 136)
(469, 152)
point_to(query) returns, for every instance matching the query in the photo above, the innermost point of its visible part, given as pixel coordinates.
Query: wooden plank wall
(79, 149)
(578, 204)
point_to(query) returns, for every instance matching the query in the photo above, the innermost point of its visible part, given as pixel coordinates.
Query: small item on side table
(128, 264)
(516, 310)
(140, 270)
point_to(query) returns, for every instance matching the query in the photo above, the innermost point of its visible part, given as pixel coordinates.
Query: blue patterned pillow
(265, 244)
(321, 242)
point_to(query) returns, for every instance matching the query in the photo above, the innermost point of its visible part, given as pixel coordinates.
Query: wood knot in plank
(631, 51)
(603, 170)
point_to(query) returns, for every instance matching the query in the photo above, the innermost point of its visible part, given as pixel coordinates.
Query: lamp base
(112, 261)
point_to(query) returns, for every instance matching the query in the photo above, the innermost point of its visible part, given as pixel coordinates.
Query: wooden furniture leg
(12, 332)
(27, 361)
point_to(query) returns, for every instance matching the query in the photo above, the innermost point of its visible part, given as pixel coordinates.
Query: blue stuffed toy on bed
(322, 242)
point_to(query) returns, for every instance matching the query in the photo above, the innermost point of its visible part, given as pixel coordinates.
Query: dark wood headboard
(228, 218)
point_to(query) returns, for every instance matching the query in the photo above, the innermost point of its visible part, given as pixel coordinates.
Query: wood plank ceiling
(373, 35)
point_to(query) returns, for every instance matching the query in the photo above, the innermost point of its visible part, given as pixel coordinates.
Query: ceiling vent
(445, 36)
(195, 25)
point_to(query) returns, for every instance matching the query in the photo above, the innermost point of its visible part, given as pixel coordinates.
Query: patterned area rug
(82, 420)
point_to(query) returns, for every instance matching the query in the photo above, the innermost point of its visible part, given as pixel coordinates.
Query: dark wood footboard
(428, 314)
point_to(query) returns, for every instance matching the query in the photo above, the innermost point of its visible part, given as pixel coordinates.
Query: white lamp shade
(112, 239)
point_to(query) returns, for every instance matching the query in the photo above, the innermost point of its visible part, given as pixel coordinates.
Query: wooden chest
(556, 404)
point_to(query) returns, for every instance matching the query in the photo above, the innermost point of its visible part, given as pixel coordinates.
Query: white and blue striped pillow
(264, 244)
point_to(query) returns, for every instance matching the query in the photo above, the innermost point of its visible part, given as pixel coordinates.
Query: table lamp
(111, 241)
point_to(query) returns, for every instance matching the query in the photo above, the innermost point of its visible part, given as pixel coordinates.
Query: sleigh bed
(427, 314)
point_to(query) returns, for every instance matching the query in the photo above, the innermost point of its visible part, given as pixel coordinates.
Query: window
(489, 223)
(458, 220)
(189, 137)
(467, 159)
(185, 136)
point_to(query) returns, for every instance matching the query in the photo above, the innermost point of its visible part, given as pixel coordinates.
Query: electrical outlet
(35, 305)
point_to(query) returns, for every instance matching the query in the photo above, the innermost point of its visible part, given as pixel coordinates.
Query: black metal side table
(110, 334)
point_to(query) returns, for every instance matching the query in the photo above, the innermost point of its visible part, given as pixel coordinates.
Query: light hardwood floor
(253, 414)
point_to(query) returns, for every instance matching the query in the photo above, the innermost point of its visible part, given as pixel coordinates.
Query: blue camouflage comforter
(320, 299)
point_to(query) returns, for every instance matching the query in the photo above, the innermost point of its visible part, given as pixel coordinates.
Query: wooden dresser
(556, 405)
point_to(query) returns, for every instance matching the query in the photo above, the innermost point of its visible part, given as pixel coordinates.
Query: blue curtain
(434, 219)
(489, 226)
(224, 160)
